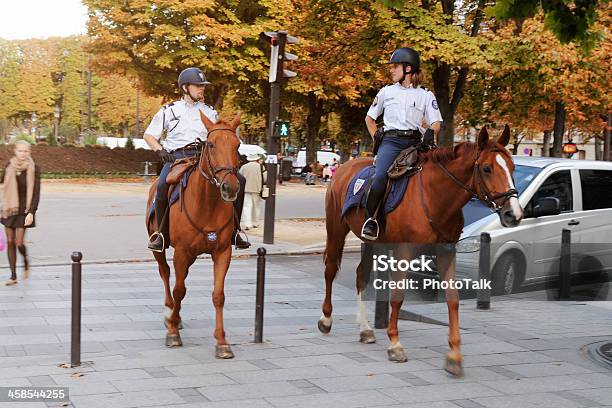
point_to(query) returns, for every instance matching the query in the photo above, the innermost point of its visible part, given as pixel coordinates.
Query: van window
(596, 189)
(558, 185)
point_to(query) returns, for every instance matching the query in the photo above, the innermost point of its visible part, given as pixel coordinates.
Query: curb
(310, 251)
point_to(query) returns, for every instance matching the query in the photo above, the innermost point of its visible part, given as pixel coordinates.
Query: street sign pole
(268, 237)
(277, 74)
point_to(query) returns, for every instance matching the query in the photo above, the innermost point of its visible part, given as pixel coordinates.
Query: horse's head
(493, 177)
(219, 161)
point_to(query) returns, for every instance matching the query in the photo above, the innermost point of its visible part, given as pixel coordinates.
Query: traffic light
(278, 56)
(281, 129)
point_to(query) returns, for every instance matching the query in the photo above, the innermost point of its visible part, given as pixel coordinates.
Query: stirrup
(370, 237)
(152, 237)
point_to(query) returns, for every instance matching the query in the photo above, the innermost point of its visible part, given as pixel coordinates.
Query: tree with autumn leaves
(509, 63)
(40, 77)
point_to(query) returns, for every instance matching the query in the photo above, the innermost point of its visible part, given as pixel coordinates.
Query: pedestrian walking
(21, 187)
(255, 175)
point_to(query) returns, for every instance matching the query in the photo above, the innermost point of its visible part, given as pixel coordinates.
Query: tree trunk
(558, 129)
(546, 143)
(313, 124)
(597, 143)
(606, 135)
(442, 75)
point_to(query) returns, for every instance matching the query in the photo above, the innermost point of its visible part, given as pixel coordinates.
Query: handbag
(265, 191)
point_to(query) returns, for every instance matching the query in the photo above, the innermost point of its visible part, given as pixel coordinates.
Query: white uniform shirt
(404, 108)
(183, 122)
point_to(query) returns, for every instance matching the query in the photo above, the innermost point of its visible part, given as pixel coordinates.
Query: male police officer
(181, 120)
(403, 105)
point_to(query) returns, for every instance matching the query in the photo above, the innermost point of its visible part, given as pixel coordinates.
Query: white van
(323, 157)
(556, 194)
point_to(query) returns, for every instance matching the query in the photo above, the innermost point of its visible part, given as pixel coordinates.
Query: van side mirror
(547, 206)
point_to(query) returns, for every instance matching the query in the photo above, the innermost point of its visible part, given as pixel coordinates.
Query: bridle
(210, 171)
(478, 180)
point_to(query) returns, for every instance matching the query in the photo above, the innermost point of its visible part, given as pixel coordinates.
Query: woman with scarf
(21, 181)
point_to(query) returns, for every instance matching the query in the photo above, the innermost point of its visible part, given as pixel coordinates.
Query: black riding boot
(237, 240)
(370, 228)
(158, 240)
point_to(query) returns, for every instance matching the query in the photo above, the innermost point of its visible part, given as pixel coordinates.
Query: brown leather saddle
(179, 167)
(406, 164)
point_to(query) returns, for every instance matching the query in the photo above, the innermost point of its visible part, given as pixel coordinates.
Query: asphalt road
(106, 221)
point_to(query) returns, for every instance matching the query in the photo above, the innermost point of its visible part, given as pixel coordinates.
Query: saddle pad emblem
(212, 236)
(358, 184)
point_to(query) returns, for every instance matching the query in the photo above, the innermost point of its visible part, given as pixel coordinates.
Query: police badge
(358, 184)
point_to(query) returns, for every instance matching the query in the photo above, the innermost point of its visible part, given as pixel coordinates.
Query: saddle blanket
(359, 185)
(175, 192)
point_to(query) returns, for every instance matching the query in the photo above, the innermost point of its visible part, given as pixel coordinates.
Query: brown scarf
(10, 206)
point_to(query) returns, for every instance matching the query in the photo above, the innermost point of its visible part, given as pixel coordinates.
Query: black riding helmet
(406, 56)
(192, 75)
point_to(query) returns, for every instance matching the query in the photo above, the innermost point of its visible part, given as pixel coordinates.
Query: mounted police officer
(181, 120)
(403, 105)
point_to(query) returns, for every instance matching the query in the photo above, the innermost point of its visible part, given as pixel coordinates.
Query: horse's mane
(446, 154)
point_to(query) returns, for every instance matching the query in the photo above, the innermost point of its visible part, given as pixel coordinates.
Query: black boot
(238, 242)
(370, 227)
(158, 240)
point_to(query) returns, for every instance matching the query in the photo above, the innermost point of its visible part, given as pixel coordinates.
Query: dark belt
(413, 134)
(187, 150)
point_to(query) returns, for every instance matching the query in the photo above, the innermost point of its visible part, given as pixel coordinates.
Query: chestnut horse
(429, 213)
(203, 223)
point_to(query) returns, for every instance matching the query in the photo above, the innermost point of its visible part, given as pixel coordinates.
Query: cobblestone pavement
(522, 353)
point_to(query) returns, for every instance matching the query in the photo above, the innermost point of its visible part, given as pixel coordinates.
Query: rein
(205, 154)
(476, 179)
(205, 158)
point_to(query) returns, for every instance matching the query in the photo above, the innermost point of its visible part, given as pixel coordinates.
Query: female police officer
(181, 120)
(403, 105)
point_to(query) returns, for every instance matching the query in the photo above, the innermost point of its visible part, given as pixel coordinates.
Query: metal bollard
(75, 342)
(565, 264)
(381, 309)
(259, 296)
(483, 296)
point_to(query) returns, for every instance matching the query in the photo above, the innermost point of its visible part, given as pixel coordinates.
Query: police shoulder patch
(375, 101)
(434, 104)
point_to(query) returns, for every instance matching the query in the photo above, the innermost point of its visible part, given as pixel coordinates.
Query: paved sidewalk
(519, 354)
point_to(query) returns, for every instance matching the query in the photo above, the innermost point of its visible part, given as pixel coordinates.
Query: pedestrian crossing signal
(281, 129)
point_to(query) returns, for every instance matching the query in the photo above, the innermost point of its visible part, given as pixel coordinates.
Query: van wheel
(507, 275)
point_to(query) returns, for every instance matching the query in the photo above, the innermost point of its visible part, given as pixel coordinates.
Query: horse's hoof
(173, 340)
(453, 367)
(397, 354)
(180, 325)
(223, 351)
(367, 337)
(323, 328)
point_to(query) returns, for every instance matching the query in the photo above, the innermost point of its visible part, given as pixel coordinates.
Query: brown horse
(448, 179)
(203, 224)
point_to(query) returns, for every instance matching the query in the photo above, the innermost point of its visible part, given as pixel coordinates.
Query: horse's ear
(235, 122)
(208, 124)
(483, 138)
(504, 139)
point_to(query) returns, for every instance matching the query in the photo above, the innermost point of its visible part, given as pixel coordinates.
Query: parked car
(556, 194)
(324, 157)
